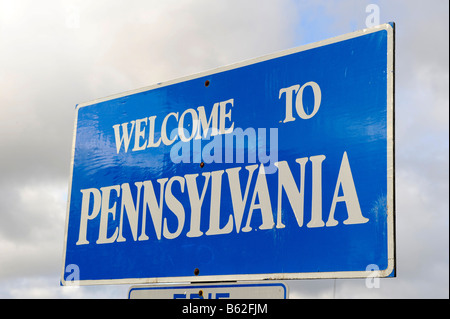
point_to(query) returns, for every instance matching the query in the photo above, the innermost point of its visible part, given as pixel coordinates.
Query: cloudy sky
(57, 53)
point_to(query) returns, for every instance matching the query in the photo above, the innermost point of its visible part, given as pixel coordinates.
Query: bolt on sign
(281, 167)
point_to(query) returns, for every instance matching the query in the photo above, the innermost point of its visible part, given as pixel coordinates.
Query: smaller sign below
(221, 290)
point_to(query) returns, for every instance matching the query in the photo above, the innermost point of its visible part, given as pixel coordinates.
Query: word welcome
(145, 138)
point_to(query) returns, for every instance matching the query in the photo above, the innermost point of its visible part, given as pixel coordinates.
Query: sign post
(281, 167)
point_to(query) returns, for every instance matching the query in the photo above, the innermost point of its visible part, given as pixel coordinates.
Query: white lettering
(165, 138)
(299, 107)
(85, 216)
(296, 196)
(345, 180)
(198, 127)
(175, 206)
(316, 208)
(131, 209)
(196, 202)
(182, 130)
(151, 133)
(289, 94)
(167, 207)
(104, 215)
(317, 100)
(225, 115)
(264, 204)
(139, 134)
(214, 220)
(125, 138)
(154, 208)
(207, 126)
(237, 200)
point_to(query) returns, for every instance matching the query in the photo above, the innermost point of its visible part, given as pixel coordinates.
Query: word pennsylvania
(125, 205)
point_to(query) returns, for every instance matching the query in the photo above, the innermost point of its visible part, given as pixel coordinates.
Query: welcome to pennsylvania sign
(281, 167)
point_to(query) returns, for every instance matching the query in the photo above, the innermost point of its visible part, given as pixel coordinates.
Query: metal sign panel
(225, 290)
(281, 167)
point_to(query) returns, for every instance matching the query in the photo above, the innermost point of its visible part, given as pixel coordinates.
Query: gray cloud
(56, 54)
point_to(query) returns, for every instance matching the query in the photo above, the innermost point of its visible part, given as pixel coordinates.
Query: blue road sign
(281, 167)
